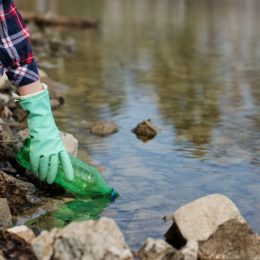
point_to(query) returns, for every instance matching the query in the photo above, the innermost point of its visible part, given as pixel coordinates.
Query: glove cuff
(19, 98)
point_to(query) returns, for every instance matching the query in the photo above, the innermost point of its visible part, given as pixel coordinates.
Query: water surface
(193, 67)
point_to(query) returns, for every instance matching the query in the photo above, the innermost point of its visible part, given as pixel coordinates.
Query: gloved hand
(46, 147)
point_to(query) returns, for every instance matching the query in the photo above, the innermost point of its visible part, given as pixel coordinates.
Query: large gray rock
(201, 218)
(232, 240)
(95, 240)
(5, 214)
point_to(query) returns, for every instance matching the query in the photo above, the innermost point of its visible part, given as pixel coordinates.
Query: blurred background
(193, 67)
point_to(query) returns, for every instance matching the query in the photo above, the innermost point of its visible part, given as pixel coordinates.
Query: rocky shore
(207, 228)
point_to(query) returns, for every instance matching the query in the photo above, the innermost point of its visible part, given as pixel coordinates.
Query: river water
(193, 67)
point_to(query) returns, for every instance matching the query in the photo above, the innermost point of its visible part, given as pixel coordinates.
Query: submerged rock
(104, 128)
(146, 130)
(201, 218)
(5, 214)
(100, 239)
(232, 240)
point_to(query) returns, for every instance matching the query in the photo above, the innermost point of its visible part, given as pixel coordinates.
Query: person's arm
(30, 88)
(46, 148)
(16, 53)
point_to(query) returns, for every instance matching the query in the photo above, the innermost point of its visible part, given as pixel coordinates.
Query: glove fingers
(66, 165)
(43, 168)
(34, 162)
(54, 163)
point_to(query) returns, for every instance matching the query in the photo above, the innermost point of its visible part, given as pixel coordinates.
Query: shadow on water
(193, 68)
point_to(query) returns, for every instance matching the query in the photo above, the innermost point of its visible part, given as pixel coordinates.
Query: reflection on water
(193, 67)
(75, 210)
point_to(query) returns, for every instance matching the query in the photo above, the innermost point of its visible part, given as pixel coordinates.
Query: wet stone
(146, 130)
(104, 128)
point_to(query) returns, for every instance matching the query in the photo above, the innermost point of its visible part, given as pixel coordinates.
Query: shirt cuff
(23, 75)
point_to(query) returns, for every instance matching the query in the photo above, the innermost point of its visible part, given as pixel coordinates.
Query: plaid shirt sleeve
(15, 50)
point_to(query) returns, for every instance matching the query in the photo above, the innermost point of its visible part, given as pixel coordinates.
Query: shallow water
(193, 67)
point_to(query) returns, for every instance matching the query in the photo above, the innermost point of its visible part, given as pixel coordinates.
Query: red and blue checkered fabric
(15, 50)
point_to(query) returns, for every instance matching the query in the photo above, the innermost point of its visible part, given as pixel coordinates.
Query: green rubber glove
(46, 147)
